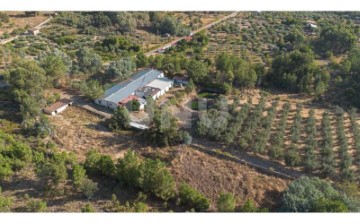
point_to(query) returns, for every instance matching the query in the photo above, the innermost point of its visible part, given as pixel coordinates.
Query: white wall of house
(61, 109)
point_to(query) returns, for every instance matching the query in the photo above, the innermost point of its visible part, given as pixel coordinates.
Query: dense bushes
(118, 44)
(14, 155)
(99, 164)
(338, 39)
(88, 61)
(82, 183)
(148, 175)
(120, 69)
(28, 81)
(91, 89)
(351, 78)
(164, 130)
(296, 71)
(314, 195)
(235, 70)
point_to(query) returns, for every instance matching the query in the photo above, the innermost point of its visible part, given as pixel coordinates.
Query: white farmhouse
(135, 85)
(57, 107)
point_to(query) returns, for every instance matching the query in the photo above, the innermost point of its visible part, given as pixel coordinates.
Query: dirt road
(257, 163)
(154, 52)
(39, 26)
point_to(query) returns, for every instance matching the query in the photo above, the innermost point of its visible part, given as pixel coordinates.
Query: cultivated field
(277, 124)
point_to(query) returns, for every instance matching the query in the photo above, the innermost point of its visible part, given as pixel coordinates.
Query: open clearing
(78, 131)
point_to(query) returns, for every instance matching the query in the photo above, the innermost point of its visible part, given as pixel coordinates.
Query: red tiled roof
(128, 99)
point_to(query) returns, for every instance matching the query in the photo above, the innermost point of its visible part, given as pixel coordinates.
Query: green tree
(226, 202)
(97, 163)
(28, 81)
(92, 160)
(296, 71)
(164, 130)
(120, 69)
(197, 71)
(54, 67)
(307, 194)
(292, 156)
(193, 199)
(88, 187)
(5, 169)
(157, 180)
(126, 22)
(120, 119)
(141, 60)
(129, 170)
(43, 127)
(52, 172)
(78, 175)
(88, 61)
(338, 39)
(92, 89)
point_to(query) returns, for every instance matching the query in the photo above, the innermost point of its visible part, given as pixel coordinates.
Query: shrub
(52, 172)
(193, 199)
(79, 175)
(129, 170)
(88, 208)
(249, 206)
(292, 157)
(88, 187)
(157, 179)
(226, 202)
(5, 203)
(36, 206)
(97, 163)
(148, 175)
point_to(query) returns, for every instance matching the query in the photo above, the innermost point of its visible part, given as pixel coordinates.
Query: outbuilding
(58, 107)
(164, 84)
(181, 80)
(33, 32)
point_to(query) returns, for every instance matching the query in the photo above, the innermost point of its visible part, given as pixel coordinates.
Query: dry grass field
(19, 20)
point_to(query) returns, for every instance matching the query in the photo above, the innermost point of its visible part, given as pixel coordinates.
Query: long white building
(138, 87)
